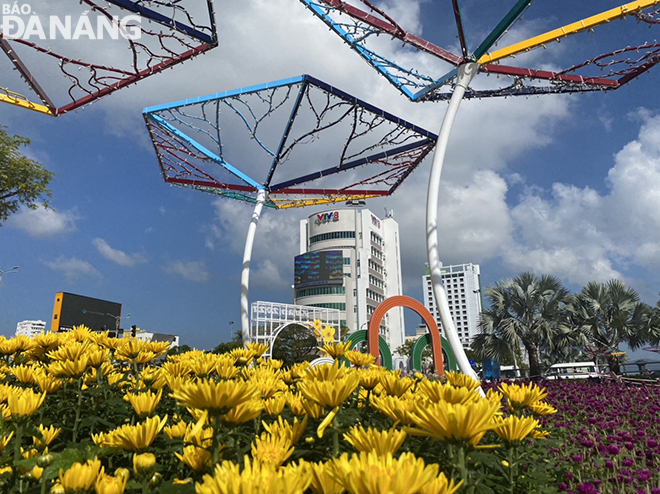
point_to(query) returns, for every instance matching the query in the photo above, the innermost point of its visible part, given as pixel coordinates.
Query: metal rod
(465, 74)
(247, 258)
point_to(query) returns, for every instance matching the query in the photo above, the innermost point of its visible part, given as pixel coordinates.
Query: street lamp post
(11, 270)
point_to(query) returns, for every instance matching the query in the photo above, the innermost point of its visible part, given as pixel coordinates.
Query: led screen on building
(319, 268)
(72, 310)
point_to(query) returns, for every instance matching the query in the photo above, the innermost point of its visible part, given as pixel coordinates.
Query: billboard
(324, 267)
(72, 310)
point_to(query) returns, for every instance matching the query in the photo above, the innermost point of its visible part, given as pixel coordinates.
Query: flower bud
(156, 479)
(45, 460)
(143, 464)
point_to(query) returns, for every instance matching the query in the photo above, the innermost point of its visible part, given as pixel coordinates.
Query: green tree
(295, 344)
(22, 180)
(228, 346)
(525, 310)
(611, 314)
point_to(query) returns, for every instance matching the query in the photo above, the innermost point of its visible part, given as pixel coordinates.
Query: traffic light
(133, 330)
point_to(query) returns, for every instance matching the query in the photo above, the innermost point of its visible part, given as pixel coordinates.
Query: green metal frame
(422, 342)
(361, 335)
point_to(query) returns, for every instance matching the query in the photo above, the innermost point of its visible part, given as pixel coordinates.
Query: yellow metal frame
(314, 201)
(19, 100)
(567, 30)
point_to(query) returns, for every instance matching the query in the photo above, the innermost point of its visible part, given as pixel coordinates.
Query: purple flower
(609, 464)
(562, 486)
(655, 490)
(613, 449)
(627, 462)
(629, 445)
(587, 488)
(576, 458)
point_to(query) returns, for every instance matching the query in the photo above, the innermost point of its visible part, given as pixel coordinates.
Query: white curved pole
(465, 74)
(245, 273)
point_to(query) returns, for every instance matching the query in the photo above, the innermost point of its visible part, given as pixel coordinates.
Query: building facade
(463, 286)
(30, 328)
(350, 260)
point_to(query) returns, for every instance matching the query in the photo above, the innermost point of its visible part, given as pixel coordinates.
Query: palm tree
(525, 310)
(612, 314)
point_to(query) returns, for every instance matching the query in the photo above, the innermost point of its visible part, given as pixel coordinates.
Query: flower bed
(85, 413)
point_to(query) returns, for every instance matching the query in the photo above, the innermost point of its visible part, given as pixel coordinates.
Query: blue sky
(565, 185)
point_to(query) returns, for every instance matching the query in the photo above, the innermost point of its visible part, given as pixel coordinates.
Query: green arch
(361, 335)
(424, 341)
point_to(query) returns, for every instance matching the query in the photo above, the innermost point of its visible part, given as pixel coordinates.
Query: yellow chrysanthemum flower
(241, 356)
(275, 405)
(461, 380)
(216, 397)
(4, 441)
(371, 473)
(71, 350)
(256, 349)
(129, 349)
(175, 431)
(369, 378)
(541, 408)
(203, 366)
(381, 442)
(359, 359)
(80, 477)
(295, 404)
(24, 374)
(144, 403)
(134, 437)
(336, 350)
(329, 394)
(175, 369)
(395, 385)
(157, 347)
(24, 402)
(271, 449)
(513, 429)
(436, 392)
(107, 484)
(283, 428)
(454, 423)
(69, 368)
(244, 412)
(398, 409)
(48, 434)
(256, 478)
(325, 372)
(97, 356)
(198, 459)
(521, 396)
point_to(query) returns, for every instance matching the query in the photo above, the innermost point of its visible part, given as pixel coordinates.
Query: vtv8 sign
(327, 217)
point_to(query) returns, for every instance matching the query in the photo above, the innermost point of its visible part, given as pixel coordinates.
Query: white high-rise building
(463, 286)
(30, 328)
(350, 260)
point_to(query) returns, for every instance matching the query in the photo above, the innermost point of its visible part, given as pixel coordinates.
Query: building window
(323, 290)
(339, 306)
(330, 236)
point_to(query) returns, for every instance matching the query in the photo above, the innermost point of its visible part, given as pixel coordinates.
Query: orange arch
(409, 303)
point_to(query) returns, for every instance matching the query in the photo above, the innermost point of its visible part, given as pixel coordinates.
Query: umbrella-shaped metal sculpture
(289, 143)
(62, 62)
(361, 23)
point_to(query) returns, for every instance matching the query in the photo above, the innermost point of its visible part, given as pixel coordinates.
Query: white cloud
(194, 271)
(73, 268)
(580, 234)
(117, 256)
(42, 222)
